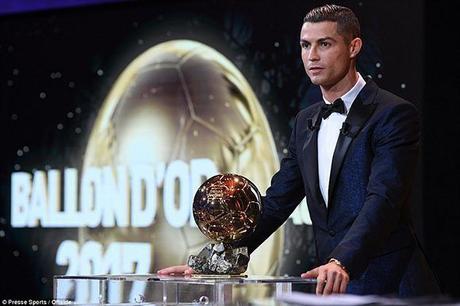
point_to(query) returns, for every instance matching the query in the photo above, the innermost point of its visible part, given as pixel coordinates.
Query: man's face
(325, 54)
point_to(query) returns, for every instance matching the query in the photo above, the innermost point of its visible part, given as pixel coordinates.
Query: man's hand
(182, 270)
(331, 278)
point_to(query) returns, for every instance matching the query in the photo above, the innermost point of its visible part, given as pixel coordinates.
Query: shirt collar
(351, 95)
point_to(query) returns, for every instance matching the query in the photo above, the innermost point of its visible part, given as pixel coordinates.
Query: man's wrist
(337, 262)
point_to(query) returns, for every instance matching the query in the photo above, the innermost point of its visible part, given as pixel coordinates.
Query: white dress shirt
(329, 133)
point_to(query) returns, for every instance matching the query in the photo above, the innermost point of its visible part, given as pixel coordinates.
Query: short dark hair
(347, 22)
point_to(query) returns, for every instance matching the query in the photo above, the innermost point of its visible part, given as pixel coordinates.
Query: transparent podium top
(197, 278)
(129, 289)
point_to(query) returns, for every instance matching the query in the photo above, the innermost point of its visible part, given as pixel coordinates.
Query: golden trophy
(226, 209)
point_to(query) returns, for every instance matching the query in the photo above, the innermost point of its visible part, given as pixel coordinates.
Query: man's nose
(313, 54)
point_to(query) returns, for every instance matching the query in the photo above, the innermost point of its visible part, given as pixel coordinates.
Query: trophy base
(220, 259)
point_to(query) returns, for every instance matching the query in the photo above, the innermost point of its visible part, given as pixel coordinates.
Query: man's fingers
(320, 281)
(330, 279)
(174, 270)
(310, 274)
(343, 285)
(337, 283)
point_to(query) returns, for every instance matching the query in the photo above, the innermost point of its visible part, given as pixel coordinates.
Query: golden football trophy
(226, 209)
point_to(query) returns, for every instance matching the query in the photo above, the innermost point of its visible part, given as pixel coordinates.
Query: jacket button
(332, 233)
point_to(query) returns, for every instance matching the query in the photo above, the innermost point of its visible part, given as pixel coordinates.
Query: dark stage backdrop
(111, 116)
(441, 162)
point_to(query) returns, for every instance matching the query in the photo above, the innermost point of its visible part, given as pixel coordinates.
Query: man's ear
(355, 47)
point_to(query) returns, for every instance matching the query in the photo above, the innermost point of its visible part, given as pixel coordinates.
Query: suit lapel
(310, 152)
(359, 113)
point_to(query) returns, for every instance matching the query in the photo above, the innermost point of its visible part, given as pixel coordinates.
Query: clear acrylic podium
(153, 289)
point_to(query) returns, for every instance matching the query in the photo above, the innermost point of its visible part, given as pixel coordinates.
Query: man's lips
(315, 70)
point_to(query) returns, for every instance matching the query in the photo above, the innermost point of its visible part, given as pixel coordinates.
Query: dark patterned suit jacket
(366, 224)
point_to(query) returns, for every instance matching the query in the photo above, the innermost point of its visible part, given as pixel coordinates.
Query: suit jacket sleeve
(395, 144)
(284, 194)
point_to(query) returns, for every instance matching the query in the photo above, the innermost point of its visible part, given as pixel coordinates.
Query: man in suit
(353, 156)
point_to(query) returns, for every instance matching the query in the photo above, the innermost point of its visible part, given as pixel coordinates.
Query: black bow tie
(327, 109)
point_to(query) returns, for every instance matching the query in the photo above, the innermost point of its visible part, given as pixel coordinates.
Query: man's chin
(323, 82)
(316, 81)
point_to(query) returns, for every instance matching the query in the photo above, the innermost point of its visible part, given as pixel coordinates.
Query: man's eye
(325, 44)
(304, 45)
